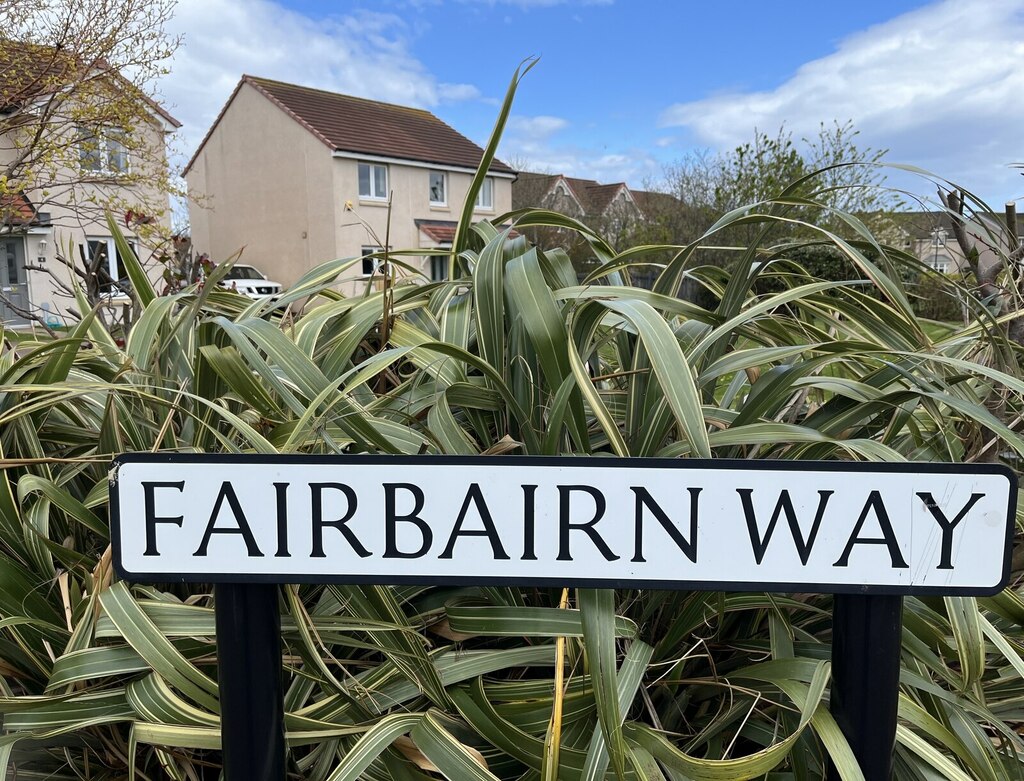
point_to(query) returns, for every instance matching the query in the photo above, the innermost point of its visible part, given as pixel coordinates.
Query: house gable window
(373, 181)
(485, 198)
(438, 188)
(939, 238)
(103, 152)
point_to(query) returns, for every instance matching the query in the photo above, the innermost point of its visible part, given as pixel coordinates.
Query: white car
(251, 282)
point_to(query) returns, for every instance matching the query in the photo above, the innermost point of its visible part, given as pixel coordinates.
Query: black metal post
(249, 672)
(866, 641)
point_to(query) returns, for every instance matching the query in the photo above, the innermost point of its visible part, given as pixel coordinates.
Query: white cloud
(533, 142)
(539, 127)
(363, 53)
(940, 87)
(527, 4)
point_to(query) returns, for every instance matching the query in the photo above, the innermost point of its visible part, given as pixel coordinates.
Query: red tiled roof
(361, 126)
(601, 195)
(15, 209)
(443, 231)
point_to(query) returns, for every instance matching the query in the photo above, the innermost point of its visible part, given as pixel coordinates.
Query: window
(939, 238)
(438, 268)
(101, 254)
(102, 153)
(485, 198)
(117, 153)
(370, 263)
(438, 188)
(940, 263)
(373, 181)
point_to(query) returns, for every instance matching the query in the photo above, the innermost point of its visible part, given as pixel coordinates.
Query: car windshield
(243, 272)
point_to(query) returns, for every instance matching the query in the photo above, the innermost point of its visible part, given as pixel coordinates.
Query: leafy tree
(76, 83)
(81, 134)
(831, 169)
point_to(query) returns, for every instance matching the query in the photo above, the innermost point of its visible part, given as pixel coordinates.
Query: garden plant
(513, 354)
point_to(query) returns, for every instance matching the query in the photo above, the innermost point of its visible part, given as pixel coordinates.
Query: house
(928, 235)
(76, 141)
(608, 208)
(297, 176)
(616, 212)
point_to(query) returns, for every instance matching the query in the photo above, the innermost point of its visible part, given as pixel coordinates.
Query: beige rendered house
(611, 206)
(929, 236)
(297, 176)
(61, 211)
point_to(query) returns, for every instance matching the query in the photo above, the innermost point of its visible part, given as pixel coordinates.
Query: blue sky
(625, 87)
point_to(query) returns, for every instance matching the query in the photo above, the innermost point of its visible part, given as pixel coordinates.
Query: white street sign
(601, 522)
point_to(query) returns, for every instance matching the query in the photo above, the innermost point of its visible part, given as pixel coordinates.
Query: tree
(831, 169)
(81, 134)
(77, 100)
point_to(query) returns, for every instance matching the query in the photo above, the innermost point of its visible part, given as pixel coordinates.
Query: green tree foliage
(77, 81)
(830, 169)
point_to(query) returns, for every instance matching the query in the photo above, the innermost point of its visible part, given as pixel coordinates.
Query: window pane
(97, 249)
(103, 259)
(243, 272)
(117, 155)
(438, 268)
(89, 153)
(119, 271)
(364, 180)
(380, 181)
(369, 263)
(437, 194)
(12, 264)
(485, 198)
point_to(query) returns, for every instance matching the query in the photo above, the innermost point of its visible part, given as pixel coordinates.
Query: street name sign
(841, 527)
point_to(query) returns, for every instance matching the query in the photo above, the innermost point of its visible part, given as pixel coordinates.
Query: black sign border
(602, 462)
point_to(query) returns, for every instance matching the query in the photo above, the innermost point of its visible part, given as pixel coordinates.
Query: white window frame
(940, 263)
(939, 238)
(377, 262)
(105, 143)
(371, 178)
(485, 204)
(444, 188)
(111, 289)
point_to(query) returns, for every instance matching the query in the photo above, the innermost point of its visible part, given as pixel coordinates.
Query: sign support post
(249, 672)
(866, 643)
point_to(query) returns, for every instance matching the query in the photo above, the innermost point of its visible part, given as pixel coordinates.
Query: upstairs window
(939, 238)
(373, 181)
(438, 188)
(102, 152)
(485, 198)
